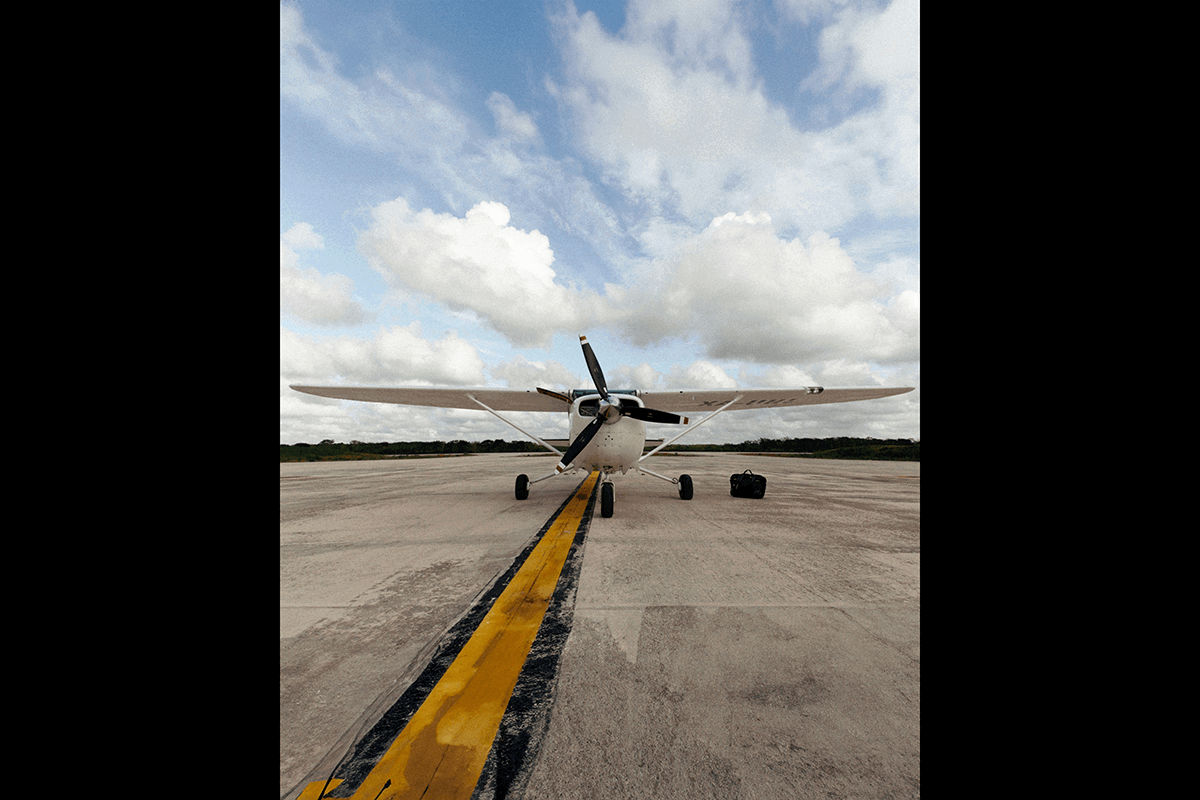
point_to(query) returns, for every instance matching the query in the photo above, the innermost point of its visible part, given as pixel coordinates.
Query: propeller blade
(549, 393)
(654, 415)
(581, 441)
(594, 368)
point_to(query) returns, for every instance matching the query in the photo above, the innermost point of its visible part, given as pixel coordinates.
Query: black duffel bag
(747, 484)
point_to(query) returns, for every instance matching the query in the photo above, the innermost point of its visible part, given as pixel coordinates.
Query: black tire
(685, 487)
(607, 498)
(522, 487)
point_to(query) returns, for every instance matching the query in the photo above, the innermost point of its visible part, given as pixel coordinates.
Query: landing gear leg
(684, 482)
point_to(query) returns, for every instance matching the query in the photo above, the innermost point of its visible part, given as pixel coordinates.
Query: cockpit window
(589, 405)
(578, 393)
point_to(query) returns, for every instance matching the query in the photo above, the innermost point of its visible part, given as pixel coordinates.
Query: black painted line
(527, 719)
(511, 749)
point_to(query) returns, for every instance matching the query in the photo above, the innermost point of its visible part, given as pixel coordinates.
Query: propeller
(609, 410)
(581, 441)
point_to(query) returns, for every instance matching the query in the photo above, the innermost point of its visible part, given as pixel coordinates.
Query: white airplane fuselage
(619, 443)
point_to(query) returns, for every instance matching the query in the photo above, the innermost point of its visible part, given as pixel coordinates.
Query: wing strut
(687, 430)
(515, 425)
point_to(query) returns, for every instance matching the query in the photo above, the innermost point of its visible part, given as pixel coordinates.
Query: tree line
(812, 446)
(851, 447)
(330, 450)
(835, 447)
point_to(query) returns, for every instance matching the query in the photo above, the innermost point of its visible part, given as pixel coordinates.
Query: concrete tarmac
(721, 647)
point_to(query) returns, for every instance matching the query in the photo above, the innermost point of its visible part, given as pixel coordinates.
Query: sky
(718, 194)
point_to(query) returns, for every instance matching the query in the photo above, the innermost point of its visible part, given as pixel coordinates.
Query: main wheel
(685, 487)
(607, 497)
(522, 487)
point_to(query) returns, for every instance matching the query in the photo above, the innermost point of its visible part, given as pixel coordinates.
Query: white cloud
(674, 127)
(673, 110)
(889, 46)
(302, 235)
(477, 263)
(521, 373)
(307, 294)
(880, 49)
(700, 374)
(696, 33)
(754, 296)
(743, 290)
(408, 114)
(785, 376)
(643, 376)
(806, 11)
(846, 372)
(395, 356)
(381, 110)
(509, 120)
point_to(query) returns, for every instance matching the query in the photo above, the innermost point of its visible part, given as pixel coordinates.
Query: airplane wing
(498, 399)
(712, 399)
(528, 400)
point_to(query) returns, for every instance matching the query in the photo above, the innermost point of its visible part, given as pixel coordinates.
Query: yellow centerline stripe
(442, 751)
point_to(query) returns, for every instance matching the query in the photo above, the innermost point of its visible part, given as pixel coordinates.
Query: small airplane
(621, 415)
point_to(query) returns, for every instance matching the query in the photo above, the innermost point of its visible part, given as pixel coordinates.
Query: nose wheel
(607, 498)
